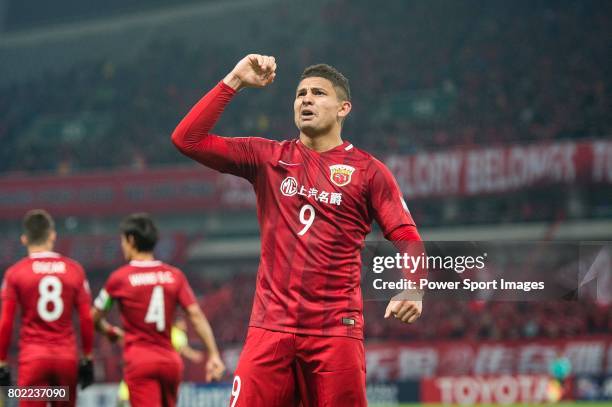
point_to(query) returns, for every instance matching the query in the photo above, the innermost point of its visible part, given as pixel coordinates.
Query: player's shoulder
(277, 145)
(368, 160)
(119, 274)
(270, 150)
(14, 270)
(74, 271)
(173, 269)
(265, 147)
(72, 263)
(18, 265)
(122, 270)
(263, 141)
(290, 142)
(358, 152)
(144, 266)
(30, 261)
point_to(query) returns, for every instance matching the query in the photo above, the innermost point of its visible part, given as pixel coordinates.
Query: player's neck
(320, 144)
(40, 248)
(138, 256)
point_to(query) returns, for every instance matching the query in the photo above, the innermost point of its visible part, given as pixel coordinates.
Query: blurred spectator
(232, 300)
(437, 74)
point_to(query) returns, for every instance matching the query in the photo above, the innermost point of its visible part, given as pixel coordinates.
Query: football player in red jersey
(47, 287)
(317, 196)
(148, 292)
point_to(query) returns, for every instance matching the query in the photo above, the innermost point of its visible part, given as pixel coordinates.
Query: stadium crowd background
(426, 76)
(498, 72)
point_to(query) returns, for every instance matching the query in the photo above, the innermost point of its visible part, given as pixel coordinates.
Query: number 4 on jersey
(156, 311)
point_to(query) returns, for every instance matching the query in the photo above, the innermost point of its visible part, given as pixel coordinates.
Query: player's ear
(52, 236)
(24, 240)
(345, 109)
(131, 241)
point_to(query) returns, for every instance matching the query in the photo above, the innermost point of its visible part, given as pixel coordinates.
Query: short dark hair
(37, 226)
(339, 81)
(141, 227)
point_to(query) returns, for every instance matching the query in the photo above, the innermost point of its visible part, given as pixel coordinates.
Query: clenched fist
(252, 71)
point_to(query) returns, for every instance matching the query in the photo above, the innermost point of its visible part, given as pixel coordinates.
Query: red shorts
(49, 372)
(278, 369)
(154, 383)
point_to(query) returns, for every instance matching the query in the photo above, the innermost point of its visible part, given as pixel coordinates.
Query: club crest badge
(341, 174)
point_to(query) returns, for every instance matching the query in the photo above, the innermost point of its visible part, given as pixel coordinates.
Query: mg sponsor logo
(289, 186)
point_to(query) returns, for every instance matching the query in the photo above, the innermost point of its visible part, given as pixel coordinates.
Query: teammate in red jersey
(148, 292)
(47, 287)
(317, 196)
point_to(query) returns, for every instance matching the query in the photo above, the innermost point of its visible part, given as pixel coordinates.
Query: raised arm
(192, 135)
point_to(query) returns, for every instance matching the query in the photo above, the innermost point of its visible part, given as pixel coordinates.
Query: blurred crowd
(494, 321)
(453, 319)
(424, 75)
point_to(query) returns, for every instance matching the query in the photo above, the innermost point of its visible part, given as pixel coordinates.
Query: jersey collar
(345, 146)
(42, 255)
(145, 263)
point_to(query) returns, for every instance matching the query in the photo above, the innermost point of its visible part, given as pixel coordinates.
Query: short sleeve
(185, 293)
(104, 300)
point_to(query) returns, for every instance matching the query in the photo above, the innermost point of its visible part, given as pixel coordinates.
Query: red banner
(462, 172)
(469, 172)
(410, 361)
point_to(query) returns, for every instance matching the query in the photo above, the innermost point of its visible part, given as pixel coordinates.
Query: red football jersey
(148, 293)
(314, 211)
(48, 287)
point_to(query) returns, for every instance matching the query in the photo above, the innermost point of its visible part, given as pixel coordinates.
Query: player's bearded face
(316, 108)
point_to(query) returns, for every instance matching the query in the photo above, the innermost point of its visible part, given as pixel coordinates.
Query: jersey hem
(311, 332)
